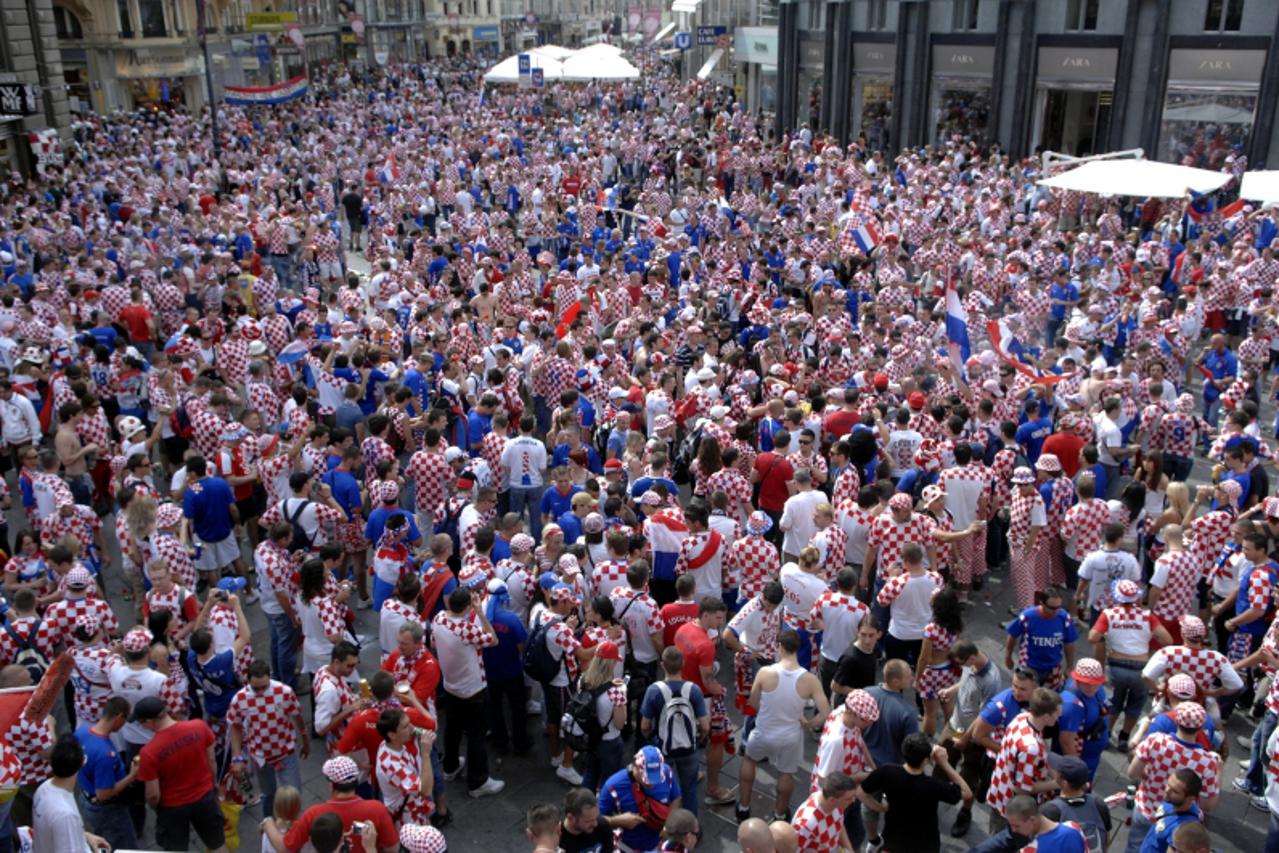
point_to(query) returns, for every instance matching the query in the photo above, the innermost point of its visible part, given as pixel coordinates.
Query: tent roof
(596, 62)
(598, 65)
(508, 70)
(1142, 178)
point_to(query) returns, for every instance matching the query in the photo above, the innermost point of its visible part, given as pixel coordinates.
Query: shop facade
(1074, 96)
(872, 95)
(960, 91)
(1210, 104)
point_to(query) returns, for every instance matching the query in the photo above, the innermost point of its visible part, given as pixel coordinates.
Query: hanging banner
(357, 26)
(294, 34)
(277, 94)
(47, 148)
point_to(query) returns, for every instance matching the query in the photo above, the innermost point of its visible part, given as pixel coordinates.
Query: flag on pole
(957, 327)
(293, 352)
(860, 236)
(389, 170)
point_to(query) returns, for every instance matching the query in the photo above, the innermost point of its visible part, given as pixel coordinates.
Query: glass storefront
(873, 65)
(1210, 105)
(812, 54)
(1074, 90)
(961, 91)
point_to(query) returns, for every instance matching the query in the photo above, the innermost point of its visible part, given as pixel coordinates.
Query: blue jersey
(217, 678)
(1002, 708)
(502, 662)
(346, 491)
(1031, 435)
(1063, 838)
(1086, 717)
(1169, 819)
(207, 502)
(377, 523)
(1044, 638)
(555, 504)
(103, 766)
(616, 797)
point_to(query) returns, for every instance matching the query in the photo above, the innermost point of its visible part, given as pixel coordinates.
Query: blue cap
(548, 580)
(650, 764)
(233, 584)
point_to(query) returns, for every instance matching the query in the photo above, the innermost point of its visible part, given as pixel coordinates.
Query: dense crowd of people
(585, 392)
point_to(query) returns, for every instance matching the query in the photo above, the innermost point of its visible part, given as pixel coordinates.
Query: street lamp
(202, 36)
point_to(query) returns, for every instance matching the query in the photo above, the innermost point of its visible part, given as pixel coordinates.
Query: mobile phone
(220, 595)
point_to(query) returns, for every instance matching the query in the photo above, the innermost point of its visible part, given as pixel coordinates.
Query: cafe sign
(140, 63)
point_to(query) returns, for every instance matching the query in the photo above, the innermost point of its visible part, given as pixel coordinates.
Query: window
(1081, 14)
(126, 21)
(151, 17)
(66, 24)
(965, 14)
(1223, 16)
(877, 15)
(816, 10)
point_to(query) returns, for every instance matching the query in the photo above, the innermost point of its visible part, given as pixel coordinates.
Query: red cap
(916, 400)
(608, 651)
(880, 381)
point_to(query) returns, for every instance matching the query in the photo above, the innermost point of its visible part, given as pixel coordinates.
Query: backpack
(677, 723)
(539, 664)
(682, 473)
(450, 524)
(28, 655)
(580, 727)
(180, 421)
(301, 540)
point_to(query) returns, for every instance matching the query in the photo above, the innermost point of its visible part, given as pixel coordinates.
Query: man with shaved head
(754, 836)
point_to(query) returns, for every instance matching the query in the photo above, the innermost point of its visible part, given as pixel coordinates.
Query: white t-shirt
(55, 821)
(797, 520)
(134, 685)
(1127, 629)
(1102, 568)
(1108, 436)
(800, 590)
(912, 610)
(461, 665)
(523, 462)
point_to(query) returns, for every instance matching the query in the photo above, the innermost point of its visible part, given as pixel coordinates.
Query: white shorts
(331, 271)
(782, 755)
(218, 555)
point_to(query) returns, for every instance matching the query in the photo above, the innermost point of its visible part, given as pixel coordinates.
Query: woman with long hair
(709, 461)
(610, 708)
(322, 612)
(935, 671)
(1130, 511)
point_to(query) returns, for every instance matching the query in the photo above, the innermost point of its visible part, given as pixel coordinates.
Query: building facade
(33, 96)
(1186, 80)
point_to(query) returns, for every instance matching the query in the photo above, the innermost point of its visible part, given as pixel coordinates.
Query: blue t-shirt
(1045, 639)
(478, 425)
(897, 718)
(571, 525)
(643, 484)
(207, 502)
(1164, 724)
(502, 662)
(1031, 435)
(559, 456)
(1062, 838)
(346, 491)
(216, 678)
(616, 797)
(1169, 819)
(1001, 709)
(555, 504)
(653, 702)
(103, 766)
(1067, 292)
(1080, 714)
(377, 523)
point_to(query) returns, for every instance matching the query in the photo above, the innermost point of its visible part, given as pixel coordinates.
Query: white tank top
(781, 709)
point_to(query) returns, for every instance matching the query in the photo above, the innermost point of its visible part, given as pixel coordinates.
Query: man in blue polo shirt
(104, 777)
(1031, 434)
(1180, 805)
(1048, 635)
(209, 509)
(656, 781)
(479, 422)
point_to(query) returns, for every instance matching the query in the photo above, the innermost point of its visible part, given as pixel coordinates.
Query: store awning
(705, 70)
(664, 32)
(1208, 110)
(1261, 186)
(1139, 178)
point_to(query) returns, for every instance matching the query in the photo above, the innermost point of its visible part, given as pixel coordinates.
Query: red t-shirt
(775, 472)
(699, 651)
(426, 674)
(674, 615)
(134, 318)
(361, 731)
(840, 423)
(1065, 446)
(349, 809)
(177, 757)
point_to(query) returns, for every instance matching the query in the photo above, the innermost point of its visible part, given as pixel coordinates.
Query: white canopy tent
(1142, 178)
(596, 62)
(508, 70)
(591, 64)
(1261, 186)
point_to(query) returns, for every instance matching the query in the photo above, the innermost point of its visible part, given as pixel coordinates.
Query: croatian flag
(957, 328)
(293, 352)
(860, 236)
(259, 95)
(1008, 348)
(389, 170)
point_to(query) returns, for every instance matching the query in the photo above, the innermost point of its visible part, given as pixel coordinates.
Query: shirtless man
(72, 454)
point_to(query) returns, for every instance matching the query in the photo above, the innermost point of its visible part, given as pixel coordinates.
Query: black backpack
(301, 540)
(539, 664)
(450, 524)
(27, 654)
(684, 456)
(580, 727)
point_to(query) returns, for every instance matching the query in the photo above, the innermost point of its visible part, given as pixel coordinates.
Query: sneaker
(252, 597)
(365, 604)
(490, 786)
(874, 845)
(1245, 765)
(1244, 741)
(776, 816)
(963, 822)
(742, 814)
(1261, 804)
(533, 707)
(1240, 784)
(461, 765)
(569, 775)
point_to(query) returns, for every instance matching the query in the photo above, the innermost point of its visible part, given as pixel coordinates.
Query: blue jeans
(112, 822)
(686, 769)
(1127, 692)
(1272, 836)
(602, 762)
(527, 501)
(1256, 774)
(1212, 409)
(1137, 832)
(284, 648)
(283, 267)
(290, 773)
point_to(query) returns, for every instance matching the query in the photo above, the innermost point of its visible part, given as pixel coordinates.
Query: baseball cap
(652, 768)
(608, 651)
(1072, 770)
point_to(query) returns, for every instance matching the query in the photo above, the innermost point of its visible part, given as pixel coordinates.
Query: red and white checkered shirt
(1162, 754)
(95, 429)
(847, 485)
(266, 720)
(1208, 534)
(399, 780)
(817, 831)
(27, 740)
(60, 618)
(608, 576)
(841, 748)
(1020, 763)
(468, 631)
(430, 473)
(375, 450)
(169, 549)
(1178, 431)
(888, 537)
(1177, 573)
(754, 561)
(832, 544)
(83, 523)
(1205, 666)
(1082, 526)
